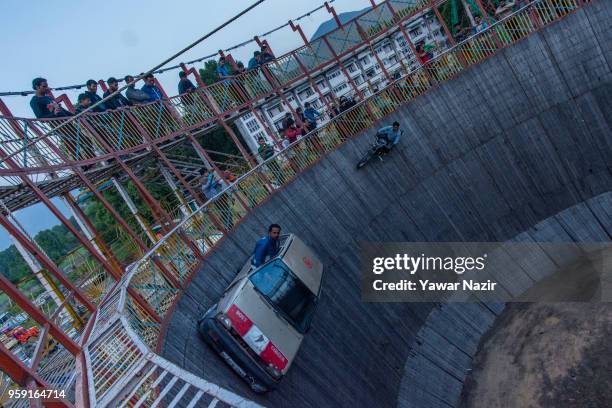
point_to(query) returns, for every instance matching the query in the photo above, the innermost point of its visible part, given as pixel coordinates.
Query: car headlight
(225, 321)
(275, 372)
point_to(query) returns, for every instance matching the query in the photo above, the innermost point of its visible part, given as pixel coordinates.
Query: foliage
(209, 72)
(218, 140)
(56, 242)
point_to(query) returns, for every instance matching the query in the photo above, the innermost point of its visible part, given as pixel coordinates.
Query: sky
(69, 42)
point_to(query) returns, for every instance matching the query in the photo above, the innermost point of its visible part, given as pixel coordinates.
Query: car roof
(303, 262)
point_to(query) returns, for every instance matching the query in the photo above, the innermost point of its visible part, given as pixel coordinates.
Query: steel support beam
(27, 306)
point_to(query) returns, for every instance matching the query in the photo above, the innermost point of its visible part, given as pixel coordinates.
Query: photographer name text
(427, 285)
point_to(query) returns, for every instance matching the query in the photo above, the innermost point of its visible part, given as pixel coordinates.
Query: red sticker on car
(240, 322)
(307, 261)
(273, 355)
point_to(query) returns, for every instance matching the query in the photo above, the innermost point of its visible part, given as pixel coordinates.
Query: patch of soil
(544, 355)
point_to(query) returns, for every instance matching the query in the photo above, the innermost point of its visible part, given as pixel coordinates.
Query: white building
(362, 66)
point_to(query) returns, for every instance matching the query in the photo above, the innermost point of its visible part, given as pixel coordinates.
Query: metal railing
(122, 366)
(92, 138)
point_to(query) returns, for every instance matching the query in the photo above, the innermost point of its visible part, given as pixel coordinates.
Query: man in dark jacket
(135, 96)
(117, 101)
(185, 88)
(92, 89)
(42, 104)
(185, 85)
(84, 102)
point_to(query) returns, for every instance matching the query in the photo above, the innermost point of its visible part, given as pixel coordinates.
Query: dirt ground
(544, 355)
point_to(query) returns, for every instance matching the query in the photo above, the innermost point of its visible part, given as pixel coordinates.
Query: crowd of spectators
(44, 106)
(494, 12)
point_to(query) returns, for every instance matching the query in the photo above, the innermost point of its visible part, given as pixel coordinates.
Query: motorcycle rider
(387, 137)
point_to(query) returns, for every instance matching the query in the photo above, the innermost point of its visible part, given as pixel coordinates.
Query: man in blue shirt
(223, 71)
(311, 115)
(388, 137)
(150, 88)
(255, 61)
(267, 246)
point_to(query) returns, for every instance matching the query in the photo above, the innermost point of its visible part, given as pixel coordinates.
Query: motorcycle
(375, 150)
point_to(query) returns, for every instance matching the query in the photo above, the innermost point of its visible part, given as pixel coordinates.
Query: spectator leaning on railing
(117, 101)
(422, 55)
(84, 102)
(481, 25)
(92, 89)
(240, 68)
(42, 104)
(255, 61)
(185, 85)
(135, 96)
(150, 88)
(311, 115)
(265, 151)
(460, 33)
(223, 71)
(266, 54)
(211, 186)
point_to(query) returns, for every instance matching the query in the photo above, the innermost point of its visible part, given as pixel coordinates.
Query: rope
(173, 67)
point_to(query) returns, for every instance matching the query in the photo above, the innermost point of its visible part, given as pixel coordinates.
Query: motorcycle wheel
(364, 160)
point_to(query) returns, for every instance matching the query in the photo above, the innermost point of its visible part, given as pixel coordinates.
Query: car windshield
(286, 293)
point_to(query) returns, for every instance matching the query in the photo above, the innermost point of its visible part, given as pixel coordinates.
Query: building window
(340, 88)
(252, 125)
(351, 68)
(247, 116)
(275, 110)
(305, 93)
(365, 60)
(321, 84)
(333, 75)
(415, 32)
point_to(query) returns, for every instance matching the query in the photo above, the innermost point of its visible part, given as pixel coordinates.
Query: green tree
(209, 72)
(12, 265)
